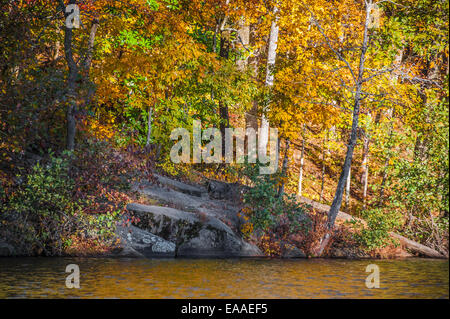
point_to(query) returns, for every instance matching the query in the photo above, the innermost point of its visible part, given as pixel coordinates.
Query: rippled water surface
(197, 278)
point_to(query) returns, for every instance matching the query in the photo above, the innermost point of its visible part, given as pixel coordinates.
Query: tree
(351, 70)
(271, 58)
(74, 71)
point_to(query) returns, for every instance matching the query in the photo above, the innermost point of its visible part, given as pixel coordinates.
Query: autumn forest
(91, 90)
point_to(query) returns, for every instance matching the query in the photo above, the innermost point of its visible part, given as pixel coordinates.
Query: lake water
(226, 278)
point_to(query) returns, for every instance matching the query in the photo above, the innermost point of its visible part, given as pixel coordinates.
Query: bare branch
(328, 41)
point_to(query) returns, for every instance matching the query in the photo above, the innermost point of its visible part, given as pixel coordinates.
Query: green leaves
(44, 212)
(153, 4)
(135, 41)
(376, 233)
(269, 209)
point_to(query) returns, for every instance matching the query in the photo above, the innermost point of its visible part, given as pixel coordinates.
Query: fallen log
(416, 247)
(405, 242)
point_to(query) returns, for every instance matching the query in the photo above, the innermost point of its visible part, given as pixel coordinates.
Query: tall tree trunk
(271, 58)
(243, 42)
(284, 168)
(336, 205)
(302, 159)
(223, 108)
(224, 123)
(251, 117)
(216, 32)
(386, 163)
(422, 141)
(398, 61)
(71, 95)
(365, 183)
(365, 154)
(74, 72)
(88, 62)
(383, 181)
(365, 161)
(149, 126)
(421, 144)
(90, 47)
(420, 148)
(337, 201)
(324, 149)
(347, 189)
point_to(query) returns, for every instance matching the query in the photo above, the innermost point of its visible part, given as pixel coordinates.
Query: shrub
(269, 210)
(42, 216)
(375, 234)
(272, 217)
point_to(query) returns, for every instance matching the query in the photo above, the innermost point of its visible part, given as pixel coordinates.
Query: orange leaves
(270, 245)
(154, 48)
(99, 130)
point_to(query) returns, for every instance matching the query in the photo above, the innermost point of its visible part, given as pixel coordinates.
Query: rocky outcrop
(193, 235)
(227, 191)
(291, 251)
(181, 187)
(347, 253)
(203, 205)
(6, 249)
(136, 242)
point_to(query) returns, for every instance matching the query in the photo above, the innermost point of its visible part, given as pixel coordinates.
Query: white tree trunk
(347, 189)
(324, 150)
(284, 167)
(302, 159)
(271, 57)
(243, 42)
(366, 180)
(365, 161)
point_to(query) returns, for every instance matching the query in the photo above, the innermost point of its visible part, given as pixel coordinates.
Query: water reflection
(185, 278)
